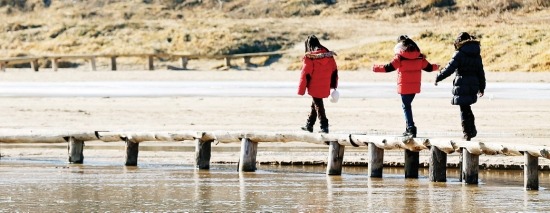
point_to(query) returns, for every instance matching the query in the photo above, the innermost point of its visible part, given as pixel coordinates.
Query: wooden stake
(34, 65)
(438, 165)
(55, 65)
(227, 61)
(247, 60)
(470, 167)
(202, 154)
(184, 61)
(113, 63)
(531, 172)
(335, 158)
(92, 64)
(412, 162)
(376, 161)
(247, 161)
(76, 149)
(132, 150)
(151, 63)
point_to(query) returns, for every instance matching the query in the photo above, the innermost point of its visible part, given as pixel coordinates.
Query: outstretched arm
(390, 67)
(449, 69)
(429, 67)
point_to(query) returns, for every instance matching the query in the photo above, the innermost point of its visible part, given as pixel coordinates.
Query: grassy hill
(513, 33)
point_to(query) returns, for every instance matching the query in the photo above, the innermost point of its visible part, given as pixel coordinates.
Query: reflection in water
(58, 187)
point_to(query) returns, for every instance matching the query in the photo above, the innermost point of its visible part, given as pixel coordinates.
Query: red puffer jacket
(319, 74)
(408, 66)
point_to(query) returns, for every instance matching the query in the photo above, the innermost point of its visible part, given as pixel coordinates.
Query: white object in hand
(334, 96)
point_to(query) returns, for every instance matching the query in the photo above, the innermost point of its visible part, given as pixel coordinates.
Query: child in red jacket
(319, 75)
(409, 62)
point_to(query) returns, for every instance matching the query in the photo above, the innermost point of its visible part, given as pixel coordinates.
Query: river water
(51, 185)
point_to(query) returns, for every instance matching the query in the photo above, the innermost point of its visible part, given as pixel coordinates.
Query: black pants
(317, 110)
(466, 112)
(468, 121)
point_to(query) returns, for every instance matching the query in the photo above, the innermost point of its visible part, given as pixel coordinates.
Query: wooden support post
(412, 161)
(531, 172)
(184, 61)
(76, 149)
(247, 60)
(438, 165)
(202, 154)
(151, 64)
(132, 150)
(470, 167)
(376, 161)
(227, 61)
(335, 158)
(3, 66)
(55, 65)
(247, 161)
(92, 64)
(34, 65)
(113, 63)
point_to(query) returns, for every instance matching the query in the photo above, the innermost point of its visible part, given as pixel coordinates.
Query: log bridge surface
(91, 58)
(439, 148)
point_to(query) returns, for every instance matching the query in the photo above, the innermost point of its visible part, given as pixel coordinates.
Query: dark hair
(463, 36)
(408, 43)
(312, 43)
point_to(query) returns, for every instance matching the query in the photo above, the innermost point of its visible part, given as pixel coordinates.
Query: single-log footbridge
(439, 148)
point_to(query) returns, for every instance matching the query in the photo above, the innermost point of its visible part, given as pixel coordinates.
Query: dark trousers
(317, 110)
(407, 108)
(466, 112)
(468, 121)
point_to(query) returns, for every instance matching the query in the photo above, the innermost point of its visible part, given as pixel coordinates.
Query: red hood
(409, 55)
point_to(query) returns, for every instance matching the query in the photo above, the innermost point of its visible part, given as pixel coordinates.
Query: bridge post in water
(412, 161)
(335, 158)
(202, 154)
(132, 150)
(438, 165)
(470, 167)
(531, 172)
(247, 160)
(376, 161)
(76, 149)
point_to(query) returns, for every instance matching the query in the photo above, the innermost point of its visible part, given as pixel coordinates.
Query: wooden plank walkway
(92, 58)
(439, 148)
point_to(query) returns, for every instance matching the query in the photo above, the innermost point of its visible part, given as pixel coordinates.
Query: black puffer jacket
(470, 76)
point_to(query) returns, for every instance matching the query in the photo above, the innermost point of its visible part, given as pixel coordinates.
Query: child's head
(463, 36)
(405, 44)
(312, 43)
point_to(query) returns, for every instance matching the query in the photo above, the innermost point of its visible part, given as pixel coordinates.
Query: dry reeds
(512, 35)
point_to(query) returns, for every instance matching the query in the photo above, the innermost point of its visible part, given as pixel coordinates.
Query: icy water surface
(53, 186)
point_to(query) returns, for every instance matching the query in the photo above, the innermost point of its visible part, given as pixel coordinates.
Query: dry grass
(512, 32)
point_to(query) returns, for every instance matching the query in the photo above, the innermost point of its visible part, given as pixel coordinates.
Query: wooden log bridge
(439, 148)
(92, 58)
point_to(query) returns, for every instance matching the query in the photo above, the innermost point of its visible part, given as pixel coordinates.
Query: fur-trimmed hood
(470, 47)
(400, 50)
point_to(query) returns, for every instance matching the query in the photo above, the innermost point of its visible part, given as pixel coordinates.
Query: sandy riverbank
(498, 120)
